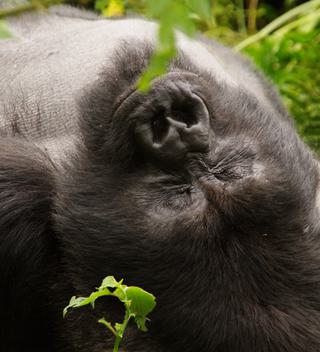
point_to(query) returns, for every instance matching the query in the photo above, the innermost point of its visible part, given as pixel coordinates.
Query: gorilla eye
(176, 196)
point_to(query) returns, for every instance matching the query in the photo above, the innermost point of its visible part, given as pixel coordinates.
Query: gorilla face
(199, 191)
(202, 194)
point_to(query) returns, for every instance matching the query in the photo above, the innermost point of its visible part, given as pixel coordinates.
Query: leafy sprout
(138, 305)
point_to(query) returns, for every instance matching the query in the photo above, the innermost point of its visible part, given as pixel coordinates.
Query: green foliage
(292, 65)
(171, 14)
(137, 302)
(4, 32)
(110, 8)
(290, 57)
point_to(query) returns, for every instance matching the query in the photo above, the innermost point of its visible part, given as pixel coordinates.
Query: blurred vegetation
(281, 36)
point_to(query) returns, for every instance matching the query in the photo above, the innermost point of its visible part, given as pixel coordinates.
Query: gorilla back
(199, 191)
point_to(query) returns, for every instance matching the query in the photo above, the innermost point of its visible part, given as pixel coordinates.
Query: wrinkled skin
(199, 191)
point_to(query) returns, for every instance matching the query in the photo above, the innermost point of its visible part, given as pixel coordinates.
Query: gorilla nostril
(162, 121)
(160, 127)
(186, 116)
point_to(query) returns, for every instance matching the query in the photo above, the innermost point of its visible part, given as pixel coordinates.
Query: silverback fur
(199, 191)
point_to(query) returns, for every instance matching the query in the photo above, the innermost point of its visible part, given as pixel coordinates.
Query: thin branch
(299, 10)
(312, 16)
(241, 17)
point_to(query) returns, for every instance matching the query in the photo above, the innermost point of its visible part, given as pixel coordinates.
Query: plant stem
(252, 16)
(312, 16)
(119, 335)
(241, 17)
(306, 7)
(213, 14)
(117, 343)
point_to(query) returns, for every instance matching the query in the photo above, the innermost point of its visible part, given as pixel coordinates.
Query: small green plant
(138, 304)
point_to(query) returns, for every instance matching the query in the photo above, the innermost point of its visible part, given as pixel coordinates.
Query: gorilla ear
(172, 120)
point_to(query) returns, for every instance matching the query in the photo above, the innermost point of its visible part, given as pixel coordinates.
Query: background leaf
(4, 32)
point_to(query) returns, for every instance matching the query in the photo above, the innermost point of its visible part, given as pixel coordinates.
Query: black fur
(28, 249)
(227, 239)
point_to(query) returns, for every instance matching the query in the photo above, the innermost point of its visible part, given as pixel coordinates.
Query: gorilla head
(199, 191)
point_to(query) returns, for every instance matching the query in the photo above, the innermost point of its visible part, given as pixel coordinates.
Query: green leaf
(200, 7)
(157, 67)
(101, 5)
(83, 301)
(173, 15)
(115, 8)
(142, 303)
(120, 293)
(141, 323)
(4, 32)
(110, 282)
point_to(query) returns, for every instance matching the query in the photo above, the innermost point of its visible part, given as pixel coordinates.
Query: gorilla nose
(172, 118)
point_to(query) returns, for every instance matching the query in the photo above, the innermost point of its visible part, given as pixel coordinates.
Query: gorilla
(199, 191)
